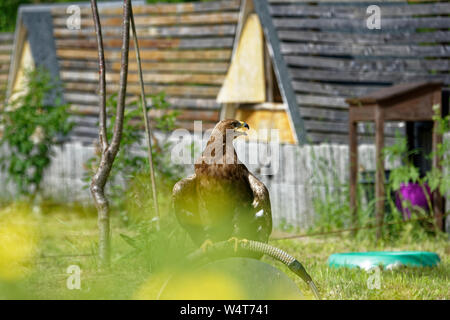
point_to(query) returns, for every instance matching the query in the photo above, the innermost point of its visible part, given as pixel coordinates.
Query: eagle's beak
(240, 131)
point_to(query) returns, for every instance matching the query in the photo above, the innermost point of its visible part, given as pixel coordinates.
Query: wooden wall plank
(175, 67)
(375, 64)
(366, 77)
(148, 21)
(369, 50)
(161, 8)
(150, 32)
(134, 88)
(348, 2)
(194, 43)
(386, 37)
(337, 10)
(331, 102)
(334, 89)
(148, 77)
(359, 25)
(6, 48)
(87, 104)
(155, 55)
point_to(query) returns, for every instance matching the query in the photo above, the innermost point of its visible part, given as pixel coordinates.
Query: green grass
(343, 283)
(68, 236)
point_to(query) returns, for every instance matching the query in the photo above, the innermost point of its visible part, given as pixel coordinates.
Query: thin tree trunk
(109, 151)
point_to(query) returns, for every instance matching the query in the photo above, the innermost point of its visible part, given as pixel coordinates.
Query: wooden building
(316, 54)
(185, 48)
(280, 64)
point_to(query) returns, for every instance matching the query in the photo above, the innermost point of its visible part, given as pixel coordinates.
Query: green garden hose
(229, 248)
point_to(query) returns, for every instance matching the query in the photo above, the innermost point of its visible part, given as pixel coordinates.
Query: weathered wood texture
(6, 47)
(332, 54)
(185, 52)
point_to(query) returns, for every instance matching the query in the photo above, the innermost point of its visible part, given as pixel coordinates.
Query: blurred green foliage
(330, 194)
(8, 11)
(30, 128)
(66, 236)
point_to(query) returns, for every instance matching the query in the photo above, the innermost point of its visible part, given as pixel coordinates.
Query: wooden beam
(148, 21)
(157, 9)
(281, 71)
(379, 180)
(270, 85)
(438, 203)
(245, 11)
(152, 32)
(154, 55)
(353, 157)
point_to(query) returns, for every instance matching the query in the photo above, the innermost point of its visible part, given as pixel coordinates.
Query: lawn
(68, 236)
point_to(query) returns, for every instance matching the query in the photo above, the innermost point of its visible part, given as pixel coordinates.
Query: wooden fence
(292, 187)
(301, 175)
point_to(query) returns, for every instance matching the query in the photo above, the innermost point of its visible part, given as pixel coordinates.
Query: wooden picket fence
(300, 174)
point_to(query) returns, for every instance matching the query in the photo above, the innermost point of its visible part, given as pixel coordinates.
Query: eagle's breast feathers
(223, 199)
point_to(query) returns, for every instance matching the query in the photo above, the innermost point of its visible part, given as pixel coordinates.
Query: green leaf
(130, 241)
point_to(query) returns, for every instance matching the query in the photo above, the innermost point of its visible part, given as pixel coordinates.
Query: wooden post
(379, 182)
(353, 157)
(268, 74)
(437, 200)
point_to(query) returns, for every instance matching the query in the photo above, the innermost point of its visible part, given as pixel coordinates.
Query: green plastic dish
(387, 259)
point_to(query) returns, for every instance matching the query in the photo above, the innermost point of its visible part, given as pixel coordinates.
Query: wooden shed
(283, 64)
(316, 54)
(185, 48)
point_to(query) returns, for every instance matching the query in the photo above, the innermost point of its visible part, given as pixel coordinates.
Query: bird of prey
(222, 200)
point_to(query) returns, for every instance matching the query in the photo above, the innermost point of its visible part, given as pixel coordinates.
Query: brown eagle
(222, 200)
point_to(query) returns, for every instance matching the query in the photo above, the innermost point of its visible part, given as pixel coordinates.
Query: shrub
(30, 128)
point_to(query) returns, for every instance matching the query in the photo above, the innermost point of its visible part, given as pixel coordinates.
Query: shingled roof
(331, 54)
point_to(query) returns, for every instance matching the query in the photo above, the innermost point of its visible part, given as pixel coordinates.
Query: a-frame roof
(324, 52)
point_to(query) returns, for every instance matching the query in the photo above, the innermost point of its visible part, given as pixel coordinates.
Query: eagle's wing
(185, 205)
(262, 208)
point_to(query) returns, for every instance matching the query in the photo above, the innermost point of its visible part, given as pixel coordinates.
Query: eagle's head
(229, 127)
(220, 149)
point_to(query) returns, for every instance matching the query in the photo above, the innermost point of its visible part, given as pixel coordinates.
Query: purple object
(414, 195)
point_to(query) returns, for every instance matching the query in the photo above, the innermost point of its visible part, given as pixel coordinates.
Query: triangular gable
(33, 46)
(245, 80)
(26, 62)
